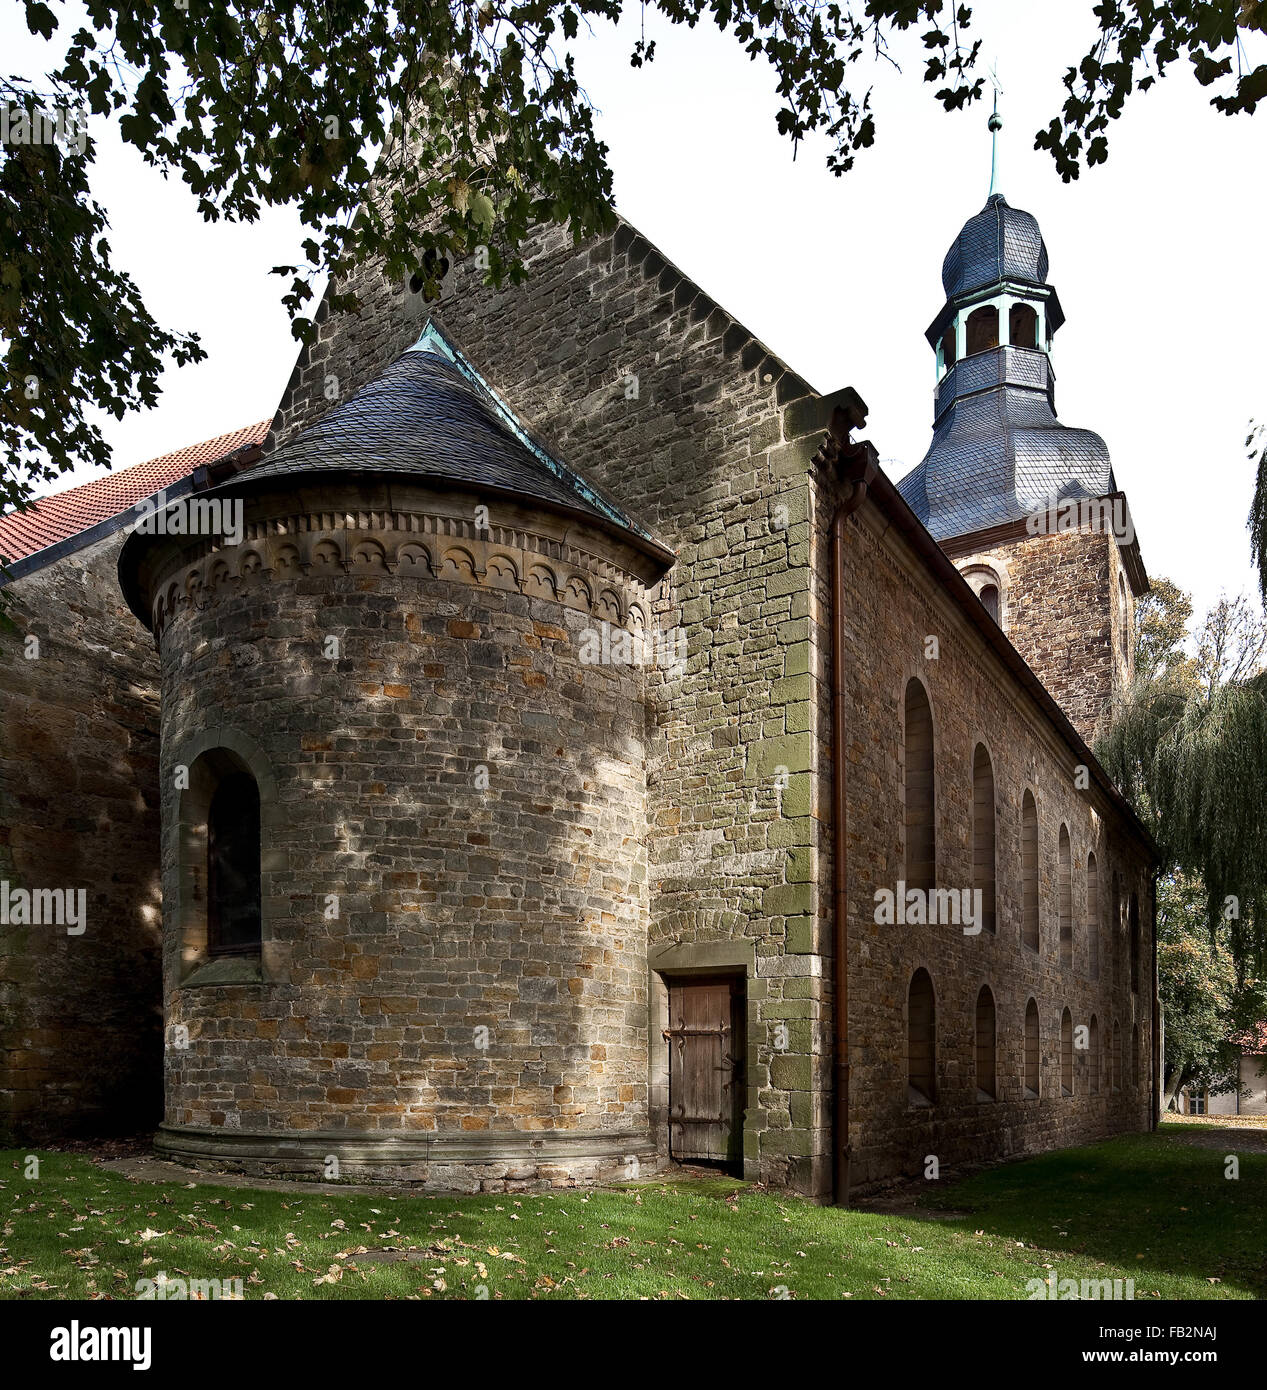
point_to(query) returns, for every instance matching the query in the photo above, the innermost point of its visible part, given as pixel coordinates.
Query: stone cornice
(434, 545)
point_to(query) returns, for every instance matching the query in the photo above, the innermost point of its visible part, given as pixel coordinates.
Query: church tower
(1026, 507)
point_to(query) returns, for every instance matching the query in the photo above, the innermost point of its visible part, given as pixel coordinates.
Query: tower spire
(995, 125)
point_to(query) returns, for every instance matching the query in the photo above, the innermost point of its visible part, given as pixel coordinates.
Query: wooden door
(706, 1056)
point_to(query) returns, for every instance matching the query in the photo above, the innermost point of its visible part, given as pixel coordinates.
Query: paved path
(1228, 1133)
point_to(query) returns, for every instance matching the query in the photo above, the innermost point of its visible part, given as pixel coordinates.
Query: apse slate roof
(1000, 243)
(429, 414)
(64, 515)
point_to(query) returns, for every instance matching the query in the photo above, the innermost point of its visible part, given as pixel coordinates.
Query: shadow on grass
(1147, 1202)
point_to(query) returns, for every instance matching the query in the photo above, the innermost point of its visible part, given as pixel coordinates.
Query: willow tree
(1188, 747)
(1256, 443)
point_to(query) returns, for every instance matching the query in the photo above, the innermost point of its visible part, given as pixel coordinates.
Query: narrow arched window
(233, 867)
(921, 1047)
(987, 1086)
(1093, 918)
(1023, 326)
(1137, 1059)
(921, 845)
(983, 330)
(1064, 874)
(1133, 920)
(1029, 871)
(1117, 921)
(983, 835)
(948, 347)
(1093, 1057)
(1066, 1053)
(1032, 1052)
(1115, 1061)
(989, 597)
(1126, 620)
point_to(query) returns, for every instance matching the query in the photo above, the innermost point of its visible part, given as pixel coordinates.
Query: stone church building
(551, 747)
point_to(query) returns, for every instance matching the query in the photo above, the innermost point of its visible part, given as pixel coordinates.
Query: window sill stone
(225, 970)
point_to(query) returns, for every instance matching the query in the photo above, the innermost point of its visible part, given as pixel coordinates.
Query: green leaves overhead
(472, 121)
(1136, 41)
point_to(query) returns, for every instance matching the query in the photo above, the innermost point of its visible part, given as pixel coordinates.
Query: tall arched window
(983, 834)
(983, 330)
(921, 844)
(1115, 1059)
(989, 597)
(233, 867)
(1029, 871)
(1093, 918)
(1132, 917)
(1066, 1053)
(987, 1086)
(1126, 619)
(1065, 898)
(1023, 326)
(1137, 1060)
(1032, 1051)
(921, 1036)
(1093, 1057)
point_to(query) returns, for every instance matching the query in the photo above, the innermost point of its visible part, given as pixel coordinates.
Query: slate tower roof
(998, 452)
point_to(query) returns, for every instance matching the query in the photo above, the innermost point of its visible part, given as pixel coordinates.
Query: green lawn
(1145, 1207)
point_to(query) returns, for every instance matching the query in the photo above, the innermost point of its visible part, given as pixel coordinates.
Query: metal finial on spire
(995, 125)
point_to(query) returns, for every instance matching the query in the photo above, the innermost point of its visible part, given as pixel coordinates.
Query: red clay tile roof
(1253, 1040)
(66, 514)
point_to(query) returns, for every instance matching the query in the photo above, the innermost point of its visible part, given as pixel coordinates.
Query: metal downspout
(856, 466)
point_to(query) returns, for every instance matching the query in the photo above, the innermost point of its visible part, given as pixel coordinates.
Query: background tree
(1204, 997)
(255, 102)
(1188, 746)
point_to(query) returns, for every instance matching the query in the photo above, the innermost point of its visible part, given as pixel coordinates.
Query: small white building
(1250, 1098)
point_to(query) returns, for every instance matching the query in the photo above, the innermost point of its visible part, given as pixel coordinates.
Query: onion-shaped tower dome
(998, 452)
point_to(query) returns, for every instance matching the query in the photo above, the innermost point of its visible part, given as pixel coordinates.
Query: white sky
(1156, 255)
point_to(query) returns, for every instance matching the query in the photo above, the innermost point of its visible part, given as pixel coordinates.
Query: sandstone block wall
(472, 795)
(80, 1016)
(708, 447)
(892, 607)
(1064, 611)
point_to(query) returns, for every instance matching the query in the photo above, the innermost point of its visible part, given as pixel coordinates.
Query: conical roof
(431, 417)
(429, 414)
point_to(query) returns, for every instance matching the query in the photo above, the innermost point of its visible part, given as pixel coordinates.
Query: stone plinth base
(441, 1163)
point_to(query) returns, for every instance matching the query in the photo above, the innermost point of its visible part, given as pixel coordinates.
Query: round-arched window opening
(989, 597)
(948, 347)
(429, 275)
(1023, 326)
(983, 329)
(233, 867)
(1126, 619)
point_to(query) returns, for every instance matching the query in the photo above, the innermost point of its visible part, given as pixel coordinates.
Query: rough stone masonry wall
(893, 604)
(80, 1016)
(516, 906)
(709, 452)
(1063, 612)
